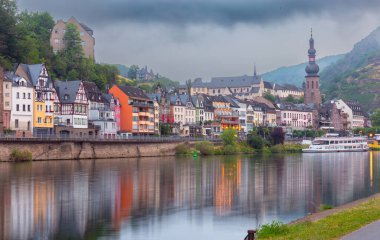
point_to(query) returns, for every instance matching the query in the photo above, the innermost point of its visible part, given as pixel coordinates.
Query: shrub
(19, 155)
(182, 149)
(256, 142)
(205, 147)
(229, 136)
(245, 148)
(218, 151)
(276, 228)
(229, 149)
(324, 207)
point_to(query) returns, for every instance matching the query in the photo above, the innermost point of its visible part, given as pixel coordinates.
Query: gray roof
(288, 87)
(255, 90)
(234, 82)
(268, 85)
(87, 29)
(12, 77)
(232, 101)
(93, 92)
(154, 96)
(33, 71)
(134, 92)
(199, 83)
(67, 91)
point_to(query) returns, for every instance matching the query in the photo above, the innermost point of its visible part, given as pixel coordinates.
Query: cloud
(185, 12)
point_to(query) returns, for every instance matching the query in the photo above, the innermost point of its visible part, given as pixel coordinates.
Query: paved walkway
(369, 232)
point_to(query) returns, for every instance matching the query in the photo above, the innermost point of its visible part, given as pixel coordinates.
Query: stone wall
(87, 150)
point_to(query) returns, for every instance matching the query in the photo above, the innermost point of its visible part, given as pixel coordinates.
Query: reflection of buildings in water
(227, 184)
(21, 210)
(44, 209)
(80, 200)
(124, 199)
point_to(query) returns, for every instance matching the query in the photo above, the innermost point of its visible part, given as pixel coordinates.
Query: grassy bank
(207, 148)
(333, 226)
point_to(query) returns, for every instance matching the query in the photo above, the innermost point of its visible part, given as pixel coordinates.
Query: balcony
(230, 122)
(142, 104)
(145, 114)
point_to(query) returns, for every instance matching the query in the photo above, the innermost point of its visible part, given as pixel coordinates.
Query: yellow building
(44, 97)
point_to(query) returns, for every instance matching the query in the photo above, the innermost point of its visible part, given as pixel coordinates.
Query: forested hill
(296, 74)
(357, 75)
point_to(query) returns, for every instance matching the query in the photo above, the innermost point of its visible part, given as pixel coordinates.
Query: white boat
(337, 144)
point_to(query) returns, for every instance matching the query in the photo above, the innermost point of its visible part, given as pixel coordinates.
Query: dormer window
(66, 97)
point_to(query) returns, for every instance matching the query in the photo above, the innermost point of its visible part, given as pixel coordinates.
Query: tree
(269, 96)
(255, 141)
(277, 136)
(375, 118)
(290, 98)
(8, 32)
(132, 72)
(229, 136)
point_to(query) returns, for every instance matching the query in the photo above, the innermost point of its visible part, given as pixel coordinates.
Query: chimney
(1, 100)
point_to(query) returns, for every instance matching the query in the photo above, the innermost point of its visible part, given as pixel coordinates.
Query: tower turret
(312, 92)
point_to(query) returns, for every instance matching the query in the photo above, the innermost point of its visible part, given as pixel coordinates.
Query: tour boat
(337, 144)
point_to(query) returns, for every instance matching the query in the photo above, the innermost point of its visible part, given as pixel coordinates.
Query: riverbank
(76, 150)
(207, 148)
(330, 224)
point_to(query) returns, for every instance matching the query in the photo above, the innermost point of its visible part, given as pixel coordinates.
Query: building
(136, 111)
(104, 111)
(286, 90)
(347, 115)
(145, 75)
(7, 101)
(86, 35)
(1, 100)
(296, 116)
(44, 96)
(312, 92)
(71, 111)
(22, 102)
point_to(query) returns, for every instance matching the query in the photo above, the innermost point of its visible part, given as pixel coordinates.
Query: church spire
(312, 68)
(254, 70)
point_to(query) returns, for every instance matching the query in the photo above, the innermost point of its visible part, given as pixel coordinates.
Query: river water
(176, 197)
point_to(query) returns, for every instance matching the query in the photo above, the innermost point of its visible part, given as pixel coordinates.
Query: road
(369, 232)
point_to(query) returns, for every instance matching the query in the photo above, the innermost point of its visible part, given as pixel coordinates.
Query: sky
(186, 39)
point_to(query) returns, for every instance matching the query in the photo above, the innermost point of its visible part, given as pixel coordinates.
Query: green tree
(229, 136)
(132, 72)
(255, 141)
(8, 32)
(375, 118)
(269, 96)
(290, 98)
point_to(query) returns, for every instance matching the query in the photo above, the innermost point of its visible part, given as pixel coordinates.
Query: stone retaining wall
(87, 150)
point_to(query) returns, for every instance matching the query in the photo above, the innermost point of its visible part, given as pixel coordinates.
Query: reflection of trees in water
(82, 199)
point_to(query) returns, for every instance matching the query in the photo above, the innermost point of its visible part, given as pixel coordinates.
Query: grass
(331, 227)
(288, 147)
(19, 155)
(324, 207)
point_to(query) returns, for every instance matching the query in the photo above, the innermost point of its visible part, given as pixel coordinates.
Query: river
(176, 197)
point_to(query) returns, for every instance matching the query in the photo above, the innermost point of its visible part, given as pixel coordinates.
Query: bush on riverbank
(205, 148)
(183, 149)
(287, 147)
(275, 228)
(19, 155)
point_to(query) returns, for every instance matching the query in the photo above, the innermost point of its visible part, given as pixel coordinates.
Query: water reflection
(175, 198)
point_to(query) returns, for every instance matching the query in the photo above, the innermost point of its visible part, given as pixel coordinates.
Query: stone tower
(312, 93)
(1, 100)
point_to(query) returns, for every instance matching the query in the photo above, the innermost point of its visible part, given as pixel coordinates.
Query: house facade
(7, 101)
(22, 102)
(136, 111)
(86, 35)
(296, 117)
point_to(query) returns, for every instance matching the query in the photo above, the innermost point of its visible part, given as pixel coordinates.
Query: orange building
(136, 110)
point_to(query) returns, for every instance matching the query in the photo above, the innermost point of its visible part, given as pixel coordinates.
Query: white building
(22, 106)
(295, 117)
(73, 105)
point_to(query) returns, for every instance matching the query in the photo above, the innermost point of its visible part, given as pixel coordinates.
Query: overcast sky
(185, 39)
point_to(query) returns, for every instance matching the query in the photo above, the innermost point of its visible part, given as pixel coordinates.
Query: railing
(131, 139)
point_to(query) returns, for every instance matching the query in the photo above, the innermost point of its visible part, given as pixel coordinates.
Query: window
(7, 104)
(6, 85)
(135, 119)
(28, 95)
(56, 40)
(16, 123)
(39, 120)
(17, 95)
(23, 108)
(24, 95)
(17, 107)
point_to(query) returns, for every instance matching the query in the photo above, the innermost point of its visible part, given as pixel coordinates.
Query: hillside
(296, 74)
(357, 75)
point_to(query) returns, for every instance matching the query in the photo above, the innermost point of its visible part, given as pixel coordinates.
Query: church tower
(312, 93)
